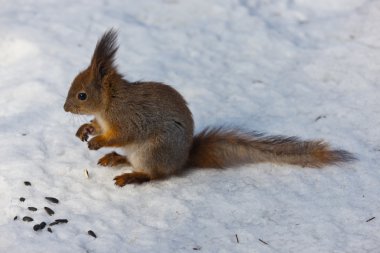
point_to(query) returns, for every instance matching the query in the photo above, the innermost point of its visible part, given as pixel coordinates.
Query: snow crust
(302, 67)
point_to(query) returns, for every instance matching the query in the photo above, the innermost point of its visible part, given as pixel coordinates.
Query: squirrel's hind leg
(132, 178)
(113, 159)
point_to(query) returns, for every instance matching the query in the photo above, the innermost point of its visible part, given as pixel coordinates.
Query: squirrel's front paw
(95, 143)
(84, 131)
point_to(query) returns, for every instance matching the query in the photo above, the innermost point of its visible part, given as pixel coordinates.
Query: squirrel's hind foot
(132, 178)
(113, 159)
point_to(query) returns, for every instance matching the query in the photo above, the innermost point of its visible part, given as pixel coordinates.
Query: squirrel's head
(89, 92)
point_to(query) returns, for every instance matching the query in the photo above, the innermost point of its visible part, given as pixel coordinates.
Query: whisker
(60, 95)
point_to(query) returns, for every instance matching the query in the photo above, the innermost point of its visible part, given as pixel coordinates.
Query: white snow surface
(298, 68)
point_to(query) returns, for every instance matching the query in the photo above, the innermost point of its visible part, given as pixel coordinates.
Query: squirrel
(153, 124)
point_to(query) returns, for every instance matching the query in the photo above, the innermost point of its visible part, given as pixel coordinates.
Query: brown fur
(113, 159)
(220, 148)
(152, 122)
(132, 178)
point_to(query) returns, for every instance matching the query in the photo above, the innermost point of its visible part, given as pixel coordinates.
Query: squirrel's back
(150, 108)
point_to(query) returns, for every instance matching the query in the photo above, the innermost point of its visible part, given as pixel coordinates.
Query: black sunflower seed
(15, 218)
(90, 232)
(49, 211)
(58, 221)
(22, 199)
(31, 208)
(27, 183)
(53, 223)
(49, 229)
(52, 200)
(42, 225)
(62, 220)
(36, 227)
(27, 218)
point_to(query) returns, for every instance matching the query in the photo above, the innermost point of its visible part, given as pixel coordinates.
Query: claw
(84, 137)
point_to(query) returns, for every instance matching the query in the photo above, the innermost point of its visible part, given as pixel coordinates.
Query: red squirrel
(153, 124)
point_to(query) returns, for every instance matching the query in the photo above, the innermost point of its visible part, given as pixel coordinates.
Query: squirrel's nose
(66, 107)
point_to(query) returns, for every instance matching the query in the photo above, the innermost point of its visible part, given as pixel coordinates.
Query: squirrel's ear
(102, 61)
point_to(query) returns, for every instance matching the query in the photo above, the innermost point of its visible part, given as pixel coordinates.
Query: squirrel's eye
(82, 96)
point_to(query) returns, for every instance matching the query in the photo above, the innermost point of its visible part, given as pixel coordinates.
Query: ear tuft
(104, 55)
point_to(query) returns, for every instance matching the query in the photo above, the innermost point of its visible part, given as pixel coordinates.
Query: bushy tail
(220, 148)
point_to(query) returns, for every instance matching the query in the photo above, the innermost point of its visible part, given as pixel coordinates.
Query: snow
(302, 67)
